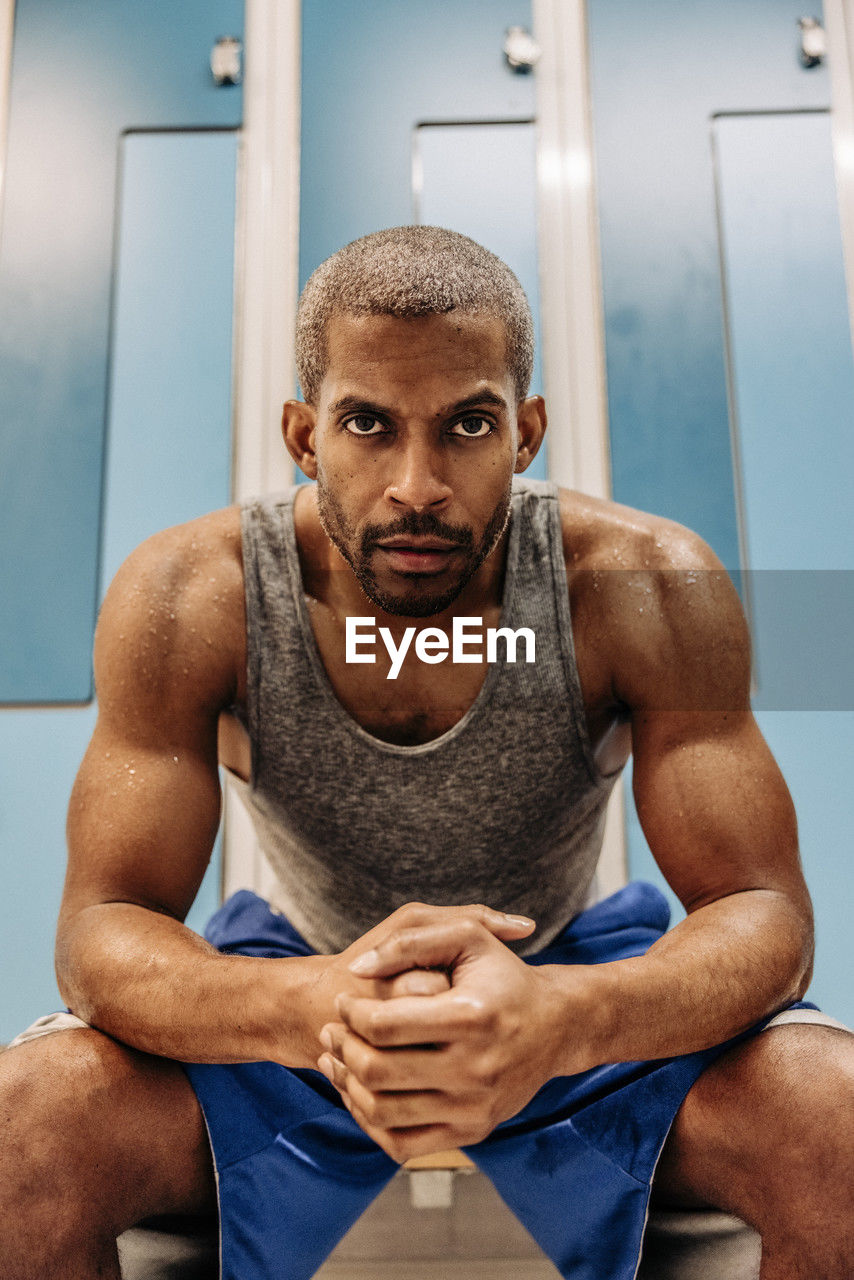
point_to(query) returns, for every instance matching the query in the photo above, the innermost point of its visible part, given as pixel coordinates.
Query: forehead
(437, 350)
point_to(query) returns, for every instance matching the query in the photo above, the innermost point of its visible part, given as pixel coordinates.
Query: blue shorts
(295, 1171)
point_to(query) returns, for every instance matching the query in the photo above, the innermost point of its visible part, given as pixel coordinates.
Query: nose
(418, 480)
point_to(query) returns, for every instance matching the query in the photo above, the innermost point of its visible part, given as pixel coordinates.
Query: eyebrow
(357, 403)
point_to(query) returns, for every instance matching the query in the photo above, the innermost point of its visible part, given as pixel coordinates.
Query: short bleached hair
(410, 272)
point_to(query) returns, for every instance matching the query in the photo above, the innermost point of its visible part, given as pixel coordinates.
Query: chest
(406, 692)
(424, 701)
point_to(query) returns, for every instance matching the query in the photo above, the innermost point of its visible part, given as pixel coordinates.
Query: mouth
(418, 555)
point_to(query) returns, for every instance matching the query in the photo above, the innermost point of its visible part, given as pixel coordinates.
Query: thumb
(440, 945)
(415, 982)
(506, 927)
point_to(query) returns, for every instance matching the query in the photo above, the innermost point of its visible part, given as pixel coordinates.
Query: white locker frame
(839, 25)
(7, 26)
(571, 312)
(267, 257)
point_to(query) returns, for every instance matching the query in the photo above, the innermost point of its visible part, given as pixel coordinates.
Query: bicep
(711, 799)
(713, 805)
(145, 805)
(142, 820)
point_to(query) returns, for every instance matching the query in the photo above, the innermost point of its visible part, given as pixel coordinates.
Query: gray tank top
(507, 807)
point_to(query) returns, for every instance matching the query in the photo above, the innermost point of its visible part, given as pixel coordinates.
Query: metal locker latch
(813, 42)
(227, 60)
(521, 51)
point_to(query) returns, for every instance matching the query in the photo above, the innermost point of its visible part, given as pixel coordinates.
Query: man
(247, 637)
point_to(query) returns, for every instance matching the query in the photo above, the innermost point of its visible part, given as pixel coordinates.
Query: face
(414, 440)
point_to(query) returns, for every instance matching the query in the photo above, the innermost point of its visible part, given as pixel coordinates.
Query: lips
(418, 544)
(418, 555)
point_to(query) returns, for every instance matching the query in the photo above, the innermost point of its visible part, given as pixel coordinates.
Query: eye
(473, 427)
(362, 424)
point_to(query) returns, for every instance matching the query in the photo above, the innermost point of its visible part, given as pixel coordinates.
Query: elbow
(803, 957)
(70, 971)
(62, 962)
(803, 976)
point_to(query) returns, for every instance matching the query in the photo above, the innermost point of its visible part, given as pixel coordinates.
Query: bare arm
(717, 815)
(142, 820)
(144, 813)
(143, 816)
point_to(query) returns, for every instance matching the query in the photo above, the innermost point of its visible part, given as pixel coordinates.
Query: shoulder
(173, 619)
(665, 606)
(601, 534)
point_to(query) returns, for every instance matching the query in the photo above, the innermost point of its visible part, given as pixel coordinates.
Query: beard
(420, 597)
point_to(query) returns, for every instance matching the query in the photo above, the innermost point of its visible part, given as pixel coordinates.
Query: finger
(418, 915)
(404, 1143)
(422, 1140)
(429, 1139)
(382, 1137)
(354, 1054)
(416, 982)
(425, 946)
(502, 924)
(390, 1109)
(374, 1113)
(335, 1071)
(378, 1070)
(410, 1020)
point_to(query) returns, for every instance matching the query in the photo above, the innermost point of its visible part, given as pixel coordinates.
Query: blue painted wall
(168, 385)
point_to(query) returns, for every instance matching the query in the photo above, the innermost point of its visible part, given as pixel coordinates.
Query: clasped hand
(422, 1073)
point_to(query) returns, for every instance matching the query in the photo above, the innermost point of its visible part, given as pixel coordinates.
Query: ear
(531, 427)
(298, 426)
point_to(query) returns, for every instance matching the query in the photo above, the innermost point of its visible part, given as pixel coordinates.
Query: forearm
(147, 980)
(720, 970)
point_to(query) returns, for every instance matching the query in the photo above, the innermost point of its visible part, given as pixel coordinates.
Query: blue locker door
(385, 84)
(82, 75)
(169, 423)
(168, 460)
(481, 180)
(792, 380)
(664, 76)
